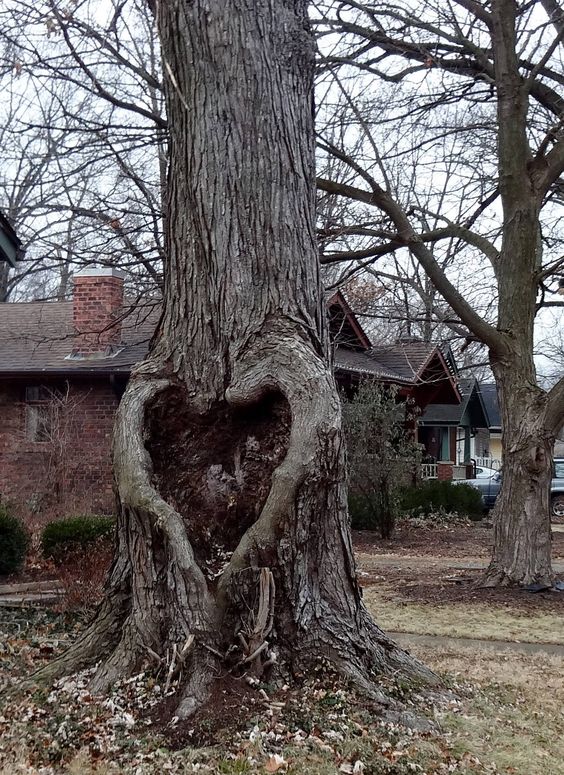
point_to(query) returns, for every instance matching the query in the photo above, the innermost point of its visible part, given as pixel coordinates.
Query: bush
(69, 535)
(14, 542)
(382, 454)
(373, 512)
(435, 496)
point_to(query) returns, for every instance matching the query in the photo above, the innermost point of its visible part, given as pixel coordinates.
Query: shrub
(436, 496)
(382, 455)
(14, 542)
(69, 535)
(373, 512)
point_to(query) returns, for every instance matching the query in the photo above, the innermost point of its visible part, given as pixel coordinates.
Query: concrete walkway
(373, 561)
(409, 640)
(46, 592)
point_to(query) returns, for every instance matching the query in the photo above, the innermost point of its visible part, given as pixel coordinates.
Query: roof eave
(397, 380)
(76, 372)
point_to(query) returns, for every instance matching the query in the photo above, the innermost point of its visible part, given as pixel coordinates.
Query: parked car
(490, 486)
(485, 473)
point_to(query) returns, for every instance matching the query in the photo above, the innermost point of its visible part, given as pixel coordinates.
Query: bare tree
(233, 538)
(89, 75)
(489, 75)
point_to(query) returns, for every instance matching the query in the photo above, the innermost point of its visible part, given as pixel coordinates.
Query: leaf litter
(322, 726)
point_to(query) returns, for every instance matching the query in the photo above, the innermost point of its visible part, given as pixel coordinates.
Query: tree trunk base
(287, 594)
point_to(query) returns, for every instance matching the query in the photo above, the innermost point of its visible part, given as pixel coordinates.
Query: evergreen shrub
(66, 536)
(14, 541)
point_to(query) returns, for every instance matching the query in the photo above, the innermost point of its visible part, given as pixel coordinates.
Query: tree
(233, 537)
(489, 75)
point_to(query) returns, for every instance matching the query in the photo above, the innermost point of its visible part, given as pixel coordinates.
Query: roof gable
(471, 405)
(344, 326)
(488, 392)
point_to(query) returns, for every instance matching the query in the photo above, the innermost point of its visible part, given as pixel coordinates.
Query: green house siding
(10, 245)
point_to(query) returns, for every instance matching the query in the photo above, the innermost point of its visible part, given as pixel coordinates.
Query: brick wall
(445, 470)
(69, 470)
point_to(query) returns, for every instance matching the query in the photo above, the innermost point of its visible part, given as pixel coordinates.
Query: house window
(38, 414)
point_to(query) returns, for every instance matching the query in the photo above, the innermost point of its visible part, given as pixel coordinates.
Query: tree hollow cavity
(215, 469)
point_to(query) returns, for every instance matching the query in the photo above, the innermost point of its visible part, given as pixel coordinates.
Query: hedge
(14, 541)
(66, 535)
(434, 495)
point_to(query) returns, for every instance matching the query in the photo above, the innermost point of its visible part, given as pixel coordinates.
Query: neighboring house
(420, 370)
(10, 244)
(457, 432)
(489, 397)
(64, 367)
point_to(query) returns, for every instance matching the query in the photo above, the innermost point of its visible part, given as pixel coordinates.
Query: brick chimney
(96, 307)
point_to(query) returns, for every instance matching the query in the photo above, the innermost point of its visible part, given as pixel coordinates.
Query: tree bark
(521, 517)
(234, 540)
(522, 533)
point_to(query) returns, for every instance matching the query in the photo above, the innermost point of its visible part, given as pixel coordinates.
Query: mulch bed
(432, 586)
(472, 539)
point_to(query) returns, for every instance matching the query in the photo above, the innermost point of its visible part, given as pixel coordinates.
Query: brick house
(64, 367)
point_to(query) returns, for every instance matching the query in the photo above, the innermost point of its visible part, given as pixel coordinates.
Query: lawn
(497, 711)
(464, 620)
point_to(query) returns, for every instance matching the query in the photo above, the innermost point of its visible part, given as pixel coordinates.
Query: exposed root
(493, 577)
(496, 576)
(198, 688)
(254, 636)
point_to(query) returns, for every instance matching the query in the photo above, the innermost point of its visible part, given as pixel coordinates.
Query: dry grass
(463, 620)
(512, 717)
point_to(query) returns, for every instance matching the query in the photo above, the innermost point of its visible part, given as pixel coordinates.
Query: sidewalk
(409, 640)
(373, 561)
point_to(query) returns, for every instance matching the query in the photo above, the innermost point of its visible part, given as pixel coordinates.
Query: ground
(500, 711)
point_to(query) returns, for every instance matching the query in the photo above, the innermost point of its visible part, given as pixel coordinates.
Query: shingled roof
(38, 338)
(359, 362)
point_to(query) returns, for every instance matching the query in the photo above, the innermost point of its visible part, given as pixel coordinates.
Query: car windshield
(559, 469)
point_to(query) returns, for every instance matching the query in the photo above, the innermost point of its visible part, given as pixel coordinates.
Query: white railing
(488, 462)
(428, 470)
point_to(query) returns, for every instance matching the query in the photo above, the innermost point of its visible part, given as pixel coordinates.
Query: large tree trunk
(234, 541)
(521, 517)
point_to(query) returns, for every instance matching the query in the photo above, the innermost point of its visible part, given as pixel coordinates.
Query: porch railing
(428, 470)
(488, 462)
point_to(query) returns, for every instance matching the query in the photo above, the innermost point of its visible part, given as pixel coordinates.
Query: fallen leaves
(276, 763)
